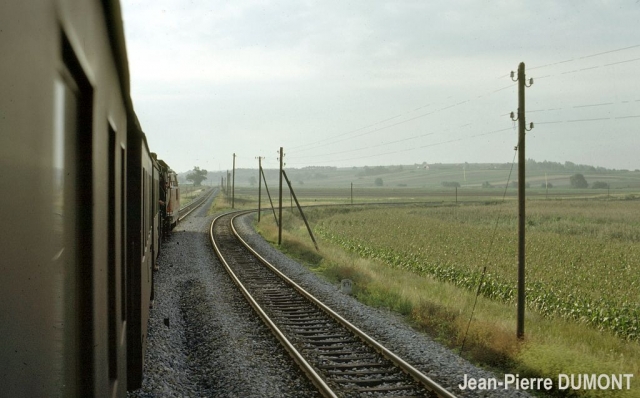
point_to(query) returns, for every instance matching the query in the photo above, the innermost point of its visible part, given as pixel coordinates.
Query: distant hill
(470, 175)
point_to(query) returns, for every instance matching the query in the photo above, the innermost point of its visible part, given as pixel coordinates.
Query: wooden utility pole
(351, 193)
(266, 187)
(259, 184)
(280, 202)
(233, 183)
(521, 196)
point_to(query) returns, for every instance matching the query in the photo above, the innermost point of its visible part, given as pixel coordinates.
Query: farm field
(582, 257)
(425, 260)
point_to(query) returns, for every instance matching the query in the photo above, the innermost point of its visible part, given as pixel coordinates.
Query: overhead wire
(576, 58)
(345, 138)
(350, 134)
(412, 149)
(489, 249)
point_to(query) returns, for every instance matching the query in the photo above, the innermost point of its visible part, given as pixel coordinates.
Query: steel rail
(324, 389)
(194, 204)
(415, 373)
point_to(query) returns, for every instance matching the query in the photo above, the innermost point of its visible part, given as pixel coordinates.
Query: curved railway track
(340, 359)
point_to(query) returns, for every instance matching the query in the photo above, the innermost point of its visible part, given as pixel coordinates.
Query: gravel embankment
(205, 341)
(214, 345)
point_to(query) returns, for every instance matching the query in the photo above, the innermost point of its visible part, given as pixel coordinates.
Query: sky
(353, 83)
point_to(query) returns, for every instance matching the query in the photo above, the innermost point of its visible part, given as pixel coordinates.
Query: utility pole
(351, 193)
(546, 185)
(259, 184)
(521, 194)
(233, 183)
(280, 202)
(228, 184)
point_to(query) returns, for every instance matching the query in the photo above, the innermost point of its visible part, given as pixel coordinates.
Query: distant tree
(378, 182)
(197, 176)
(578, 181)
(451, 184)
(487, 184)
(546, 185)
(600, 185)
(253, 180)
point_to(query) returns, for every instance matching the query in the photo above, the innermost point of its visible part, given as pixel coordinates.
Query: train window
(123, 226)
(144, 213)
(72, 191)
(152, 205)
(112, 259)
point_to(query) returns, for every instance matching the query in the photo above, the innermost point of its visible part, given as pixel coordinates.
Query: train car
(80, 204)
(173, 199)
(142, 221)
(169, 196)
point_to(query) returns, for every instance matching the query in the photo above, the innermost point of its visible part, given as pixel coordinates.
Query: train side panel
(63, 128)
(140, 227)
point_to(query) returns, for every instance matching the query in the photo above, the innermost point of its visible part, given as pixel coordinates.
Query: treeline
(378, 170)
(566, 167)
(531, 165)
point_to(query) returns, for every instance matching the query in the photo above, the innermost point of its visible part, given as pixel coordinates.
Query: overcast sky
(354, 83)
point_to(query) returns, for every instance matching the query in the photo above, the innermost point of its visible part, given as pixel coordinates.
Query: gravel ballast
(205, 340)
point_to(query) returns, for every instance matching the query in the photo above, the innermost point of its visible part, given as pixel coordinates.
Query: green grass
(188, 193)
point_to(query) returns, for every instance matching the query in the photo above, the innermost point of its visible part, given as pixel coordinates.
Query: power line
(584, 57)
(386, 143)
(352, 131)
(598, 119)
(401, 122)
(589, 120)
(580, 58)
(581, 106)
(464, 125)
(415, 148)
(363, 148)
(356, 133)
(589, 68)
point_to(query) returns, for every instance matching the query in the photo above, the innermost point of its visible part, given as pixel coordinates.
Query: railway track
(339, 359)
(186, 210)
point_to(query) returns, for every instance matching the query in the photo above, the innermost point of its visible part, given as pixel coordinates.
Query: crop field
(368, 195)
(582, 256)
